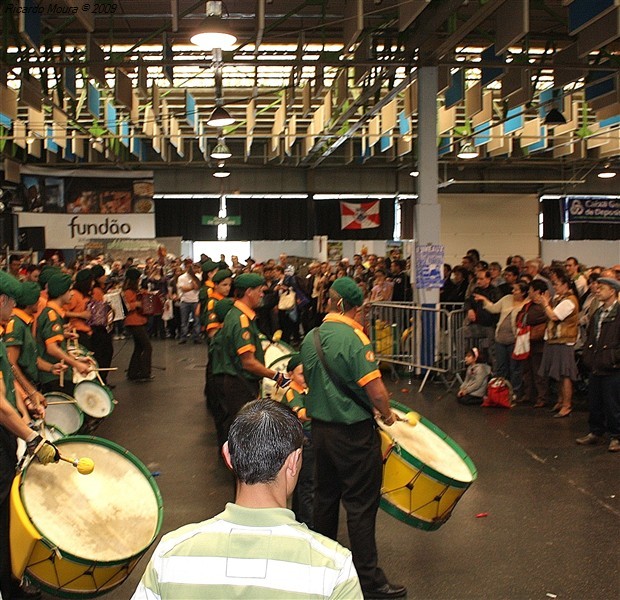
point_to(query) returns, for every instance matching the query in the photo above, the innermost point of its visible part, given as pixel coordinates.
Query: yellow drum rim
(448, 440)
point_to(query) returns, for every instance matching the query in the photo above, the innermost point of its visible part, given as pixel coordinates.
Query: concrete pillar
(427, 217)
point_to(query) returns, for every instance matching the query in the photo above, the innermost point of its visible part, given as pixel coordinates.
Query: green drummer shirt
(239, 334)
(349, 354)
(50, 329)
(19, 333)
(296, 399)
(6, 374)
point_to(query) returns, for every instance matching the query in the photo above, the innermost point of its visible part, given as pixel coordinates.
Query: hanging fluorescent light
(221, 150)
(220, 117)
(555, 117)
(468, 150)
(608, 173)
(214, 32)
(221, 174)
(414, 173)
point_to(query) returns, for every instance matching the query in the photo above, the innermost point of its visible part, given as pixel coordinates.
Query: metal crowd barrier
(422, 339)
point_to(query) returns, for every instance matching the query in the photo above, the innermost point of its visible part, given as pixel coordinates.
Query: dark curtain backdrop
(270, 218)
(327, 214)
(184, 218)
(266, 219)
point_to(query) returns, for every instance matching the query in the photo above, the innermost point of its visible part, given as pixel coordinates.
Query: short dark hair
(539, 285)
(474, 252)
(31, 268)
(262, 436)
(512, 269)
(15, 257)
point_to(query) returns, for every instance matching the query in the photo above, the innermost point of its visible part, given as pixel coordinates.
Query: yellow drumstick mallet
(84, 466)
(412, 418)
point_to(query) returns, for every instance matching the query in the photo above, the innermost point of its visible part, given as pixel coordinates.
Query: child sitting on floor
(474, 387)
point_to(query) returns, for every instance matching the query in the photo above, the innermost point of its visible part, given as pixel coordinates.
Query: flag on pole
(359, 216)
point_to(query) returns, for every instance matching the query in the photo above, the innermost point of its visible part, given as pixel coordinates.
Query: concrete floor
(553, 507)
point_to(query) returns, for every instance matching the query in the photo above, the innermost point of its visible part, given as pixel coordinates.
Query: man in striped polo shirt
(255, 548)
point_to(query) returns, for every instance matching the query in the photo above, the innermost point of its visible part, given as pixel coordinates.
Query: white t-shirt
(185, 281)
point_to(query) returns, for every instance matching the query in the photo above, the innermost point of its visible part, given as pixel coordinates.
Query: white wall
(497, 225)
(264, 250)
(588, 252)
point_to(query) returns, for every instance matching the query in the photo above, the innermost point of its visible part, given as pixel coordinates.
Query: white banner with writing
(65, 231)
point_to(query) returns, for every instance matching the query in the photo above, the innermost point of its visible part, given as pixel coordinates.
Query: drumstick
(105, 369)
(61, 402)
(99, 378)
(85, 466)
(62, 374)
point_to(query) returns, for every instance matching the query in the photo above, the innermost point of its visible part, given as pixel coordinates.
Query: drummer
(346, 443)
(237, 372)
(44, 277)
(51, 334)
(22, 349)
(76, 310)
(12, 426)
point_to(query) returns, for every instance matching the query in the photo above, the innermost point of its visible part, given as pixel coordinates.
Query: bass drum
(80, 536)
(277, 355)
(425, 473)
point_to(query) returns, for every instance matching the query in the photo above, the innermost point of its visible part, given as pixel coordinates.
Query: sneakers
(614, 445)
(591, 440)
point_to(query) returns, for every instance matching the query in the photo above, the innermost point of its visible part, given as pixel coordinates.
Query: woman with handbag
(287, 307)
(533, 316)
(505, 332)
(558, 361)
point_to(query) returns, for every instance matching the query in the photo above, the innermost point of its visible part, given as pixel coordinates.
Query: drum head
(111, 515)
(67, 416)
(94, 399)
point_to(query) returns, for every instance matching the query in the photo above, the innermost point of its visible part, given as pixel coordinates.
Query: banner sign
(592, 209)
(429, 266)
(65, 231)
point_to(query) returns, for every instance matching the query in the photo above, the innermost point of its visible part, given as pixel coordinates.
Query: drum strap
(316, 336)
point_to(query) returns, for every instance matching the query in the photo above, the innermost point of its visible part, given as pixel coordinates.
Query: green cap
(248, 280)
(83, 275)
(97, 271)
(349, 291)
(58, 285)
(46, 273)
(294, 362)
(9, 285)
(209, 266)
(29, 294)
(221, 275)
(222, 307)
(133, 274)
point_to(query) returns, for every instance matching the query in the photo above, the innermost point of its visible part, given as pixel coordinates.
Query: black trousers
(348, 468)
(140, 363)
(103, 349)
(604, 396)
(303, 496)
(232, 392)
(8, 460)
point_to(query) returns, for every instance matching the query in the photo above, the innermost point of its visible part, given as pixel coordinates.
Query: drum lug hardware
(57, 553)
(409, 485)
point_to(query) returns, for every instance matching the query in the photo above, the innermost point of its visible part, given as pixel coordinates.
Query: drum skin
(413, 491)
(94, 399)
(68, 418)
(277, 356)
(47, 562)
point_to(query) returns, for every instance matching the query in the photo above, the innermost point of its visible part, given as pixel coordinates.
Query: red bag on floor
(499, 393)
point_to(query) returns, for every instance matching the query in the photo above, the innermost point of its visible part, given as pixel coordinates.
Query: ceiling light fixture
(468, 150)
(220, 117)
(221, 174)
(608, 173)
(414, 173)
(214, 32)
(221, 150)
(555, 117)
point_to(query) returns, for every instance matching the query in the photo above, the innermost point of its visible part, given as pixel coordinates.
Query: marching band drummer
(239, 369)
(345, 391)
(12, 426)
(101, 338)
(76, 310)
(22, 350)
(135, 322)
(44, 277)
(51, 334)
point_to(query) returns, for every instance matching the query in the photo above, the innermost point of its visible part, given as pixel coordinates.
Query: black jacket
(483, 317)
(602, 356)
